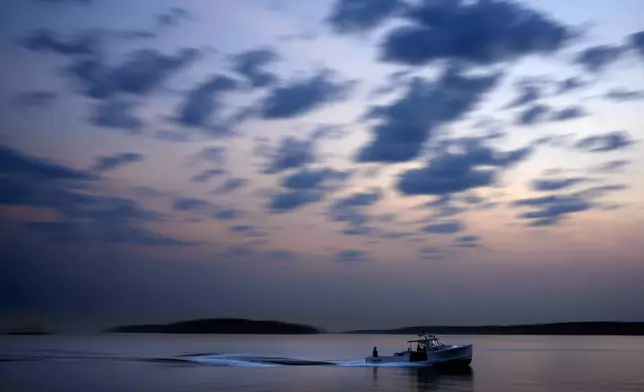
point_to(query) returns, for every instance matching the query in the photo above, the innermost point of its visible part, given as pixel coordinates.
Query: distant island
(221, 326)
(25, 331)
(574, 328)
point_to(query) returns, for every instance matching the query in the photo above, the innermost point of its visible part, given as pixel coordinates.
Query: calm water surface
(162, 363)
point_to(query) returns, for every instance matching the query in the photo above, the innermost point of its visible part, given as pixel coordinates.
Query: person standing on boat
(374, 353)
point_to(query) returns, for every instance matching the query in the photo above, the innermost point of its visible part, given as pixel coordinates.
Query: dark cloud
(203, 102)
(142, 72)
(232, 184)
(35, 98)
(207, 175)
(352, 255)
(216, 155)
(636, 41)
(612, 166)
(449, 227)
(431, 253)
(597, 58)
(116, 113)
(570, 84)
(290, 154)
(527, 93)
(82, 214)
(227, 214)
(16, 163)
(251, 64)
(624, 95)
(555, 184)
(80, 2)
(468, 241)
(300, 96)
(609, 141)
(44, 40)
(450, 172)
(350, 16)
(191, 204)
(568, 113)
(351, 209)
(110, 162)
(410, 121)
(305, 187)
(173, 16)
(478, 32)
(533, 114)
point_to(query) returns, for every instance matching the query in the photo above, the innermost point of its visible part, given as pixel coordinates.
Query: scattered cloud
(47, 41)
(624, 95)
(116, 113)
(300, 96)
(351, 16)
(305, 187)
(204, 102)
(408, 122)
(597, 58)
(351, 209)
(555, 184)
(35, 98)
(637, 42)
(468, 241)
(450, 172)
(232, 184)
(527, 93)
(612, 166)
(110, 162)
(207, 175)
(477, 32)
(570, 84)
(291, 153)
(533, 114)
(173, 16)
(251, 64)
(609, 141)
(568, 113)
(216, 155)
(448, 227)
(352, 255)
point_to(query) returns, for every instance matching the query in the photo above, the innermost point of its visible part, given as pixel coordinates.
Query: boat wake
(243, 360)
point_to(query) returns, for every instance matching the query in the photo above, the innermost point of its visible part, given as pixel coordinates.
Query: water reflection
(422, 379)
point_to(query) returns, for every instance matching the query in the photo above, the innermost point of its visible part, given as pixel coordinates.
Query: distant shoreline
(221, 326)
(571, 328)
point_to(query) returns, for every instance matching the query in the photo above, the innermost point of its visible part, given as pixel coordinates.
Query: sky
(344, 164)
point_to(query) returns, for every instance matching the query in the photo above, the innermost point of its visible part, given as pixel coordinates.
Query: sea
(312, 363)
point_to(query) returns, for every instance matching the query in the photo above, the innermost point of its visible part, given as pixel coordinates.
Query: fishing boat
(429, 351)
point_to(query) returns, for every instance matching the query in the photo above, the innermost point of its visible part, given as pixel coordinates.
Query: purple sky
(345, 163)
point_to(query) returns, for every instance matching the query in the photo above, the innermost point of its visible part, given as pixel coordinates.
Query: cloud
(352, 255)
(16, 163)
(597, 58)
(216, 155)
(350, 16)
(552, 209)
(431, 253)
(207, 175)
(477, 32)
(624, 95)
(568, 113)
(305, 187)
(191, 204)
(290, 154)
(350, 209)
(450, 172)
(570, 84)
(227, 214)
(468, 241)
(410, 121)
(636, 41)
(83, 215)
(549, 184)
(203, 102)
(80, 2)
(610, 141)
(142, 72)
(612, 166)
(533, 114)
(173, 16)
(47, 41)
(232, 184)
(300, 96)
(528, 93)
(35, 98)
(329, 132)
(110, 162)
(251, 64)
(449, 227)
(116, 113)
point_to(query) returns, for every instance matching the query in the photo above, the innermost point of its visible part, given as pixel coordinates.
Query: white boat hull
(452, 356)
